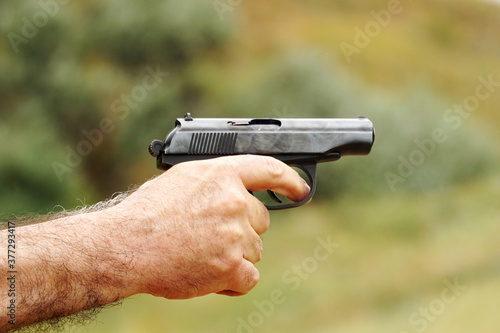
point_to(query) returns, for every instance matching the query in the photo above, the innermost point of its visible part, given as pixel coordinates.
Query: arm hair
(83, 317)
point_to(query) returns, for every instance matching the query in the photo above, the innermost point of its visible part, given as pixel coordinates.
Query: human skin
(192, 231)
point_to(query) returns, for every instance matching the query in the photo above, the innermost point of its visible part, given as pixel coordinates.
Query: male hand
(195, 229)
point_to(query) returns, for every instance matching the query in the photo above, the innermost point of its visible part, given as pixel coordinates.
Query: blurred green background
(86, 85)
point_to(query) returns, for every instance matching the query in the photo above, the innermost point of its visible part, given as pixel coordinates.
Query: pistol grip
(309, 169)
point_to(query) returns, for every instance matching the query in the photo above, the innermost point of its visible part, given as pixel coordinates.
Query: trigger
(274, 196)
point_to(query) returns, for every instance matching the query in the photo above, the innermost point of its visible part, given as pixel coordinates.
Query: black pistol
(300, 143)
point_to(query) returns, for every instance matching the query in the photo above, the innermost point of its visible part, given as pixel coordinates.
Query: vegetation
(86, 85)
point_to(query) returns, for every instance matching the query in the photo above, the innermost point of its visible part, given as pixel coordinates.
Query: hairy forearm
(65, 266)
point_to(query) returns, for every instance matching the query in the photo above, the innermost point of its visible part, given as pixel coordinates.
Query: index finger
(259, 173)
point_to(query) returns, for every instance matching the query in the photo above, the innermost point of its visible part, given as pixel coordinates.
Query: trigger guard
(310, 171)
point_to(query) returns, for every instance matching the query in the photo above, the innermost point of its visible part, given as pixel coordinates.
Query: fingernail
(307, 187)
(307, 190)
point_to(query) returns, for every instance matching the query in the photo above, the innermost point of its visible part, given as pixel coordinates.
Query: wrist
(115, 252)
(151, 245)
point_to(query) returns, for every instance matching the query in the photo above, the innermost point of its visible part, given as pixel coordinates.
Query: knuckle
(253, 279)
(236, 234)
(265, 220)
(235, 203)
(225, 266)
(275, 169)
